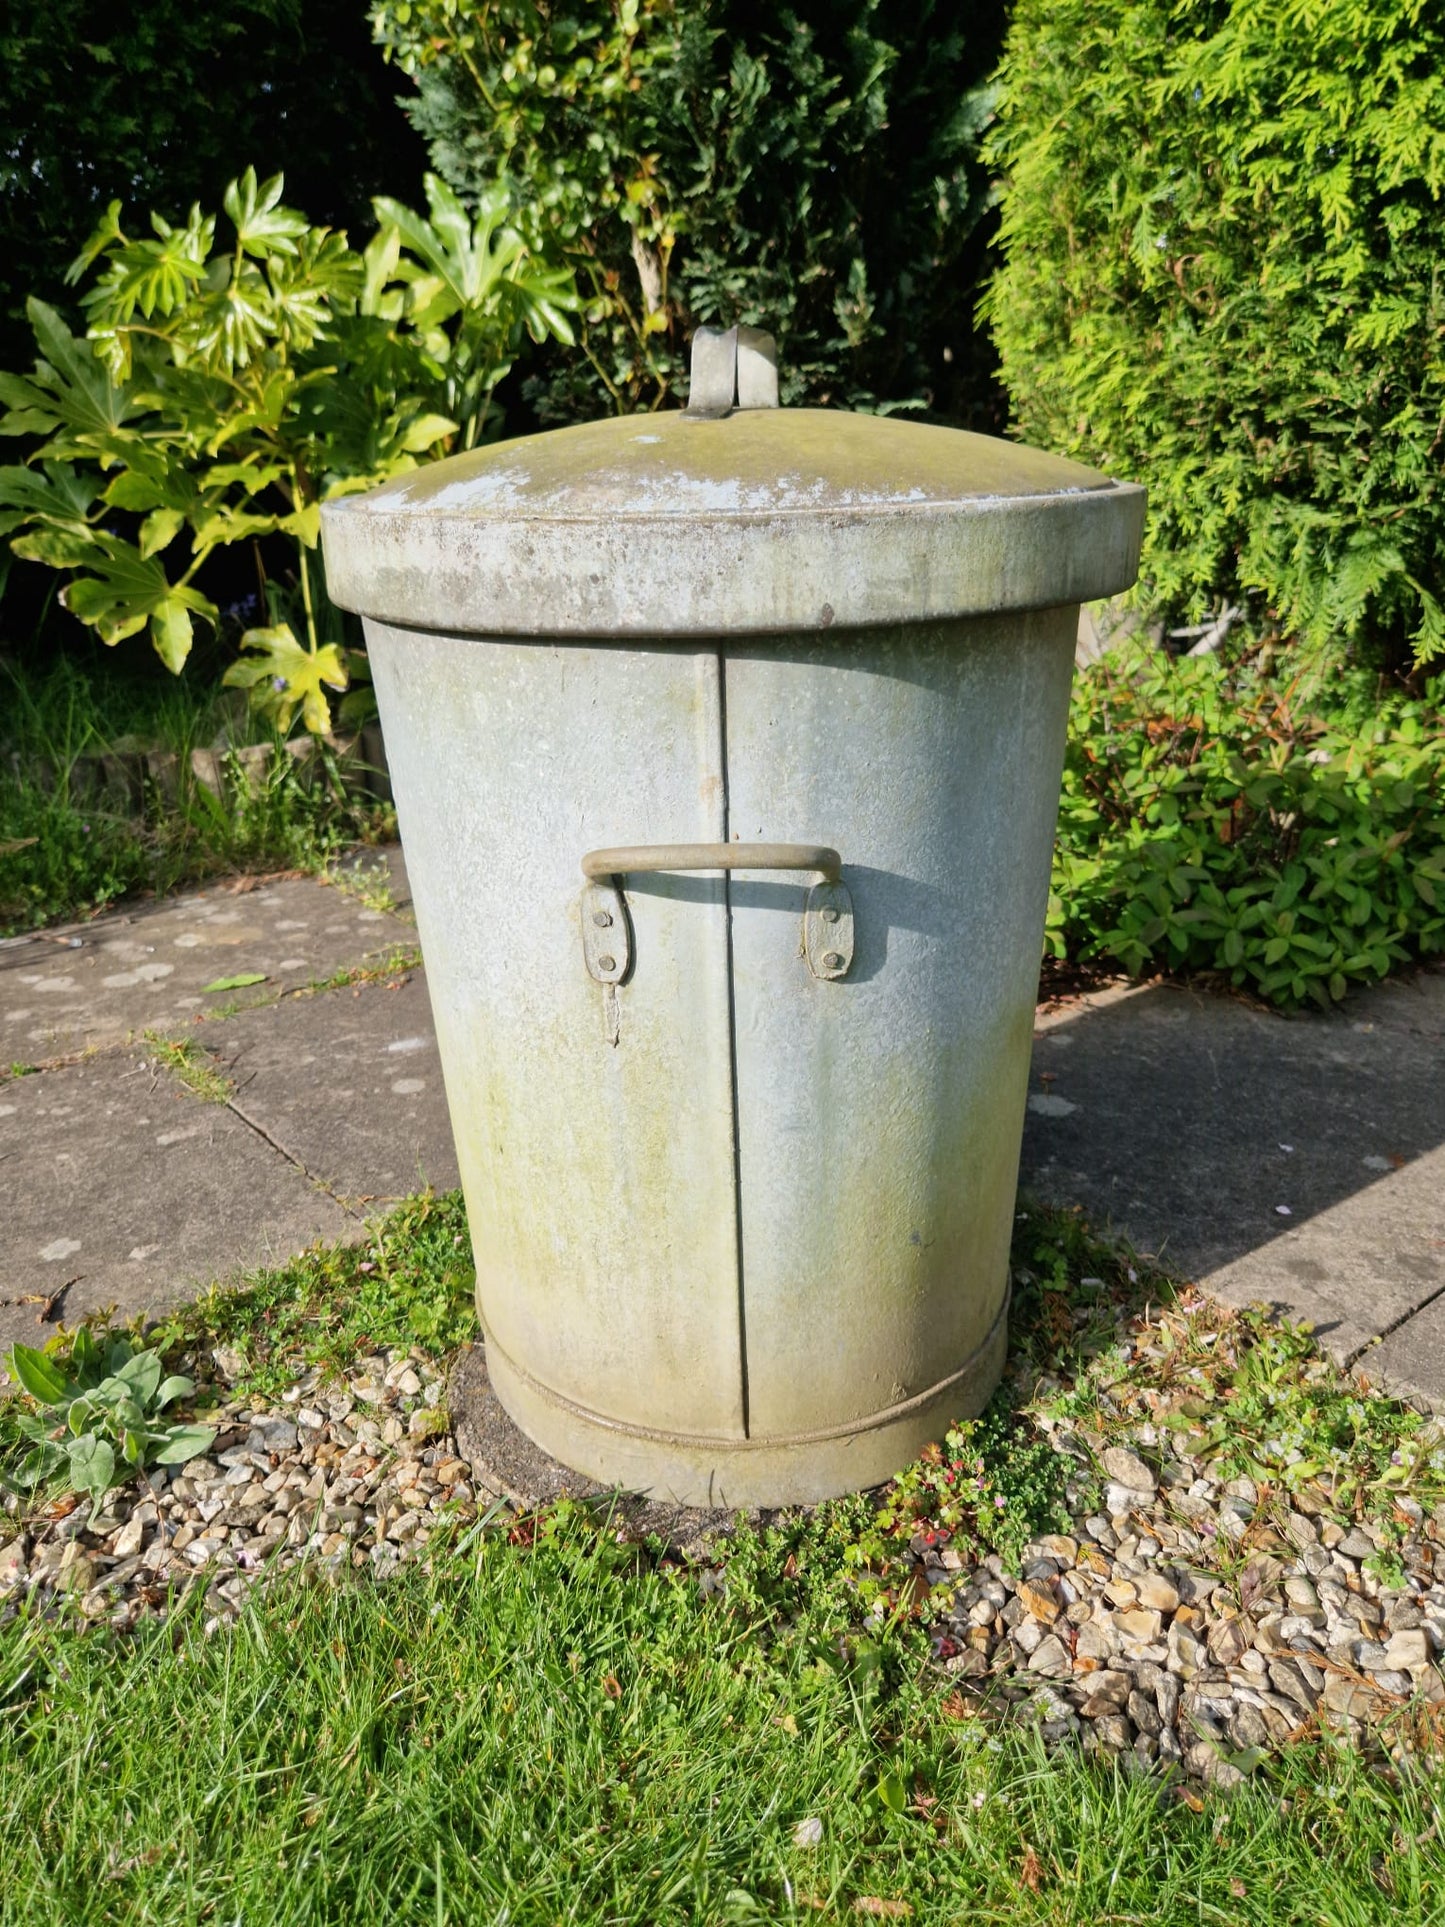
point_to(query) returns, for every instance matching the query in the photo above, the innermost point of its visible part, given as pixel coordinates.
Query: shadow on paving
(1297, 1162)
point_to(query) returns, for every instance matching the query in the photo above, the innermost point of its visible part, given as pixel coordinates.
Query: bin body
(741, 1230)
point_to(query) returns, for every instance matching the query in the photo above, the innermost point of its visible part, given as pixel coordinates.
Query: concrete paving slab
(1297, 1162)
(1411, 1359)
(148, 966)
(118, 1182)
(349, 1083)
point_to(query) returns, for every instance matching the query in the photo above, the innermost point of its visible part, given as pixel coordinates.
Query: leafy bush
(224, 391)
(811, 169)
(1221, 242)
(106, 1406)
(1214, 820)
(153, 100)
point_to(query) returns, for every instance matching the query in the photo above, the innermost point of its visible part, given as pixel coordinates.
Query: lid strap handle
(731, 368)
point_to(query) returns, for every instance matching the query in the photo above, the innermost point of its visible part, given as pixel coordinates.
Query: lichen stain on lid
(755, 462)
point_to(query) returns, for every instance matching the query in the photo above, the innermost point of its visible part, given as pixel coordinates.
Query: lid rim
(696, 576)
(706, 518)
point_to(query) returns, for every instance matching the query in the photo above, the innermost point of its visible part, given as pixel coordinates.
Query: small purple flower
(999, 1502)
(278, 683)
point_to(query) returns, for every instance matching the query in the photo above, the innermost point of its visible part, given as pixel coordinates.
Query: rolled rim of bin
(767, 521)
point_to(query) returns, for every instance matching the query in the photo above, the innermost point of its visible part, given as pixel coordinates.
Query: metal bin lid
(743, 520)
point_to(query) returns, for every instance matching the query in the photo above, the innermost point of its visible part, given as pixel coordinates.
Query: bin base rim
(774, 1470)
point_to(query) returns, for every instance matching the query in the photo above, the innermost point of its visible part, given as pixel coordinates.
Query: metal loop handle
(607, 927)
(731, 368)
(639, 857)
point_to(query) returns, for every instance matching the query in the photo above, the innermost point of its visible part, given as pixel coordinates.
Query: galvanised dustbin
(726, 749)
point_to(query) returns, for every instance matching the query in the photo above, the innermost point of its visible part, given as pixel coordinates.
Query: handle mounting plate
(828, 931)
(606, 933)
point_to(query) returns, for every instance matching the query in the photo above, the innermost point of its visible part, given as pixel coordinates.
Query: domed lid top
(755, 462)
(734, 516)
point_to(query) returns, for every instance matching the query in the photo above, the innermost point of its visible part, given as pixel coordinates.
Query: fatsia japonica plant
(100, 1416)
(236, 374)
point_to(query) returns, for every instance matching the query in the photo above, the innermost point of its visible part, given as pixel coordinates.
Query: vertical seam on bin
(722, 712)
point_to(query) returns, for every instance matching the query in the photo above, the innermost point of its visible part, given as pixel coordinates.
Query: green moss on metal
(795, 460)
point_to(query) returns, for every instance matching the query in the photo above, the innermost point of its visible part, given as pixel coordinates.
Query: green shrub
(152, 100)
(228, 386)
(1221, 238)
(810, 168)
(1214, 820)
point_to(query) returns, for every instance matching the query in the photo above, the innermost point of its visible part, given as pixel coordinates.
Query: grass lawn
(557, 1731)
(541, 1721)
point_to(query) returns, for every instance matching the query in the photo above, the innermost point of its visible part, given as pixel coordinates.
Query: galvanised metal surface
(769, 520)
(880, 1117)
(756, 1248)
(599, 1177)
(739, 1147)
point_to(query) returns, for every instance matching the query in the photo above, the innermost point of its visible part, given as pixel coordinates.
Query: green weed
(395, 962)
(539, 1727)
(410, 1282)
(195, 1068)
(86, 817)
(98, 1417)
(545, 1721)
(368, 884)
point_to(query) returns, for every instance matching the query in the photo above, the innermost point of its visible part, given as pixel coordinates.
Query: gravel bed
(1186, 1623)
(350, 1472)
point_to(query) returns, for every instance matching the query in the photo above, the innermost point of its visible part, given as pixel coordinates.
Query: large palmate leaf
(53, 494)
(466, 264)
(283, 676)
(154, 277)
(70, 395)
(459, 262)
(226, 389)
(126, 591)
(263, 226)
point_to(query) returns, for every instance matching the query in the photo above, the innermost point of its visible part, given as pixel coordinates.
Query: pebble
(1140, 1623)
(1122, 1499)
(1051, 1658)
(1155, 1592)
(1408, 1649)
(1127, 1470)
(1152, 1653)
(1357, 1544)
(1039, 1600)
(1095, 1642)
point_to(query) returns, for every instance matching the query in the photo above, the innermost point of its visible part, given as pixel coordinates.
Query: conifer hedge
(1223, 274)
(811, 168)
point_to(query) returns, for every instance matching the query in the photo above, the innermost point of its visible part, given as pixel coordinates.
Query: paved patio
(1299, 1162)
